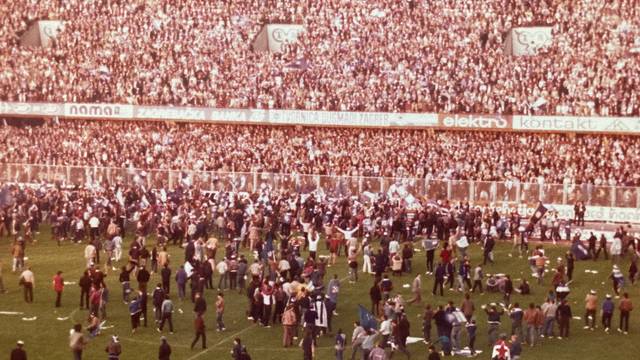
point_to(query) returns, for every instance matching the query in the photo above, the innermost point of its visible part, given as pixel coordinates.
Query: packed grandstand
(411, 56)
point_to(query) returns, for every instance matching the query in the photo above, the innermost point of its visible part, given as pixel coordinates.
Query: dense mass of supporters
(489, 156)
(383, 55)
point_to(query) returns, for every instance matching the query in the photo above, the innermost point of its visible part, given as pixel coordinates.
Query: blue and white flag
(367, 320)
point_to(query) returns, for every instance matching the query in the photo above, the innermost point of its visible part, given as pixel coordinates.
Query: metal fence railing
(478, 192)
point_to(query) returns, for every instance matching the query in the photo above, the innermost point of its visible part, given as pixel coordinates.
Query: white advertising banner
(603, 125)
(170, 113)
(594, 213)
(626, 125)
(324, 118)
(99, 111)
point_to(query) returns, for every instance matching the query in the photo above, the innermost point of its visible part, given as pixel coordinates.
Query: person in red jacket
(58, 286)
(198, 325)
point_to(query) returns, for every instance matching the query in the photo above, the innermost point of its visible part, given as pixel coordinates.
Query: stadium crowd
(384, 55)
(432, 155)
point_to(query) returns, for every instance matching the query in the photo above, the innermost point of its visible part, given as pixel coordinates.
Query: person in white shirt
(90, 254)
(117, 247)
(284, 267)
(313, 239)
(366, 262)
(306, 227)
(385, 330)
(348, 234)
(27, 279)
(394, 247)
(322, 320)
(222, 268)
(79, 235)
(94, 224)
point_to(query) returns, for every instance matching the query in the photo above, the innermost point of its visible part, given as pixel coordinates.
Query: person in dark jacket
(489, 244)
(181, 281)
(134, 312)
(157, 298)
(433, 353)
(198, 325)
(143, 278)
(200, 306)
(18, 352)
(164, 352)
(376, 296)
(165, 274)
(85, 287)
(508, 290)
(515, 349)
(125, 279)
(563, 314)
(142, 295)
(439, 279)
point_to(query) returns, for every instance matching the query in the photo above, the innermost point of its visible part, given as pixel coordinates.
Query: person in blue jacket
(607, 312)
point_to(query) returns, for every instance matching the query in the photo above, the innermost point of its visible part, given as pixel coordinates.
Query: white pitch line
(221, 342)
(151, 342)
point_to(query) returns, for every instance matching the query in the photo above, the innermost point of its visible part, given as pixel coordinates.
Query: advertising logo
(485, 122)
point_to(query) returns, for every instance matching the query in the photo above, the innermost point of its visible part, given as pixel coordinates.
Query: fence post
(472, 191)
(381, 179)
(426, 187)
(613, 196)
(449, 190)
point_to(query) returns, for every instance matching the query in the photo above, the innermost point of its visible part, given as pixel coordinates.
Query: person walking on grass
(77, 341)
(2, 289)
(166, 314)
(530, 319)
(607, 312)
(198, 326)
(340, 344)
(134, 313)
(18, 352)
(114, 348)
(438, 282)
(27, 280)
(416, 289)
(289, 322)
(158, 297)
(220, 312)
(591, 305)
(625, 307)
(564, 318)
(58, 286)
(164, 351)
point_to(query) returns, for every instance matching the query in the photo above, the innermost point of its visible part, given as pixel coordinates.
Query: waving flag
(537, 215)
(501, 351)
(367, 320)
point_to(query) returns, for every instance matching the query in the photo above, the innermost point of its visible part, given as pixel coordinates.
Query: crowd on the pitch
(286, 281)
(487, 156)
(384, 55)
